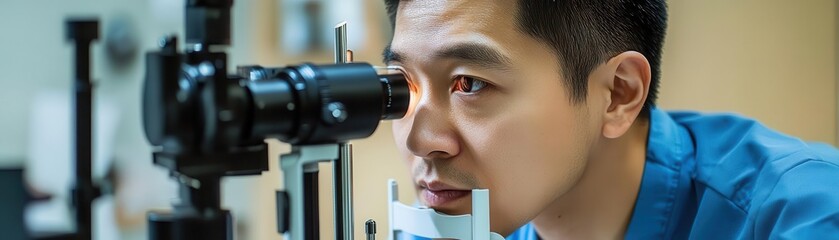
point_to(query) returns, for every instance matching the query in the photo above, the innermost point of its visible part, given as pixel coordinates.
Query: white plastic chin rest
(427, 223)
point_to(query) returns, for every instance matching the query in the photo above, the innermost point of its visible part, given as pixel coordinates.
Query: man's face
(489, 110)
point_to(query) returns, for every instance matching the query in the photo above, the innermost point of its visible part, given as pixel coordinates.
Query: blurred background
(772, 60)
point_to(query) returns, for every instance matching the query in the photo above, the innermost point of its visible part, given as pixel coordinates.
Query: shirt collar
(669, 146)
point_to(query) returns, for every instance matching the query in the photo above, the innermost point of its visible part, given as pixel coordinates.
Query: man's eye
(468, 84)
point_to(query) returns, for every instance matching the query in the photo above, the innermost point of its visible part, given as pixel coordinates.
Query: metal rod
(342, 181)
(346, 189)
(338, 195)
(310, 206)
(82, 33)
(342, 167)
(83, 112)
(341, 42)
(370, 229)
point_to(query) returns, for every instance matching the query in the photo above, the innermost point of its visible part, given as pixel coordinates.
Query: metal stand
(83, 32)
(342, 169)
(199, 214)
(297, 214)
(297, 206)
(342, 188)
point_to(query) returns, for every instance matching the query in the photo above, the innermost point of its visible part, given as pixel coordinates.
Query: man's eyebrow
(470, 53)
(389, 56)
(476, 54)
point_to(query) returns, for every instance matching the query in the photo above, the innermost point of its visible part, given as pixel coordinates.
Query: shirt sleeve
(804, 204)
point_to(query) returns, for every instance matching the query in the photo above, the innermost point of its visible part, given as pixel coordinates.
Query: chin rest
(427, 223)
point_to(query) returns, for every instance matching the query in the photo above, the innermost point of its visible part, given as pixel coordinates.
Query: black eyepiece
(397, 95)
(325, 103)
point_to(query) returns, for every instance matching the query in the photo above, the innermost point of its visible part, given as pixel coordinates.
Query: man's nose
(432, 135)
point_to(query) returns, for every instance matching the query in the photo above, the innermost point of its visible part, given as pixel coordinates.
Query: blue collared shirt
(728, 177)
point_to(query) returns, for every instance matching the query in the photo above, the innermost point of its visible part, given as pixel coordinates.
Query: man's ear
(628, 92)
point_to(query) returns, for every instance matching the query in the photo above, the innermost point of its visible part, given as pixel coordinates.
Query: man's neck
(600, 205)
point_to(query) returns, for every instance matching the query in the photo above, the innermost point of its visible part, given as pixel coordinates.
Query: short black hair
(585, 33)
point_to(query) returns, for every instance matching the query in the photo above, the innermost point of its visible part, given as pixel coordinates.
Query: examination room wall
(772, 60)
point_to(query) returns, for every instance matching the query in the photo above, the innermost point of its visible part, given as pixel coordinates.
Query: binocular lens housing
(326, 103)
(303, 104)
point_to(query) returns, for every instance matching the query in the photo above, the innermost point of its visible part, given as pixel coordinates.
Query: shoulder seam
(764, 159)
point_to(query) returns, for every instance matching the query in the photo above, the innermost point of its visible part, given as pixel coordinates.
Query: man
(550, 106)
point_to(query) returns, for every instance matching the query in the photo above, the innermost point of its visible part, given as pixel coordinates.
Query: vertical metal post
(370, 229)
(83, 112)
(341, 42)
(311, 213)
(346, 210)
(342, 167)
(83, 32)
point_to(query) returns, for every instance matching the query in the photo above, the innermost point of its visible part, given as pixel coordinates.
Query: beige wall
(773, 60)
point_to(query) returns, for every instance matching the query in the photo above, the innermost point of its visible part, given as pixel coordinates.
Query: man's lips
(438, 194)
(438, 199)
